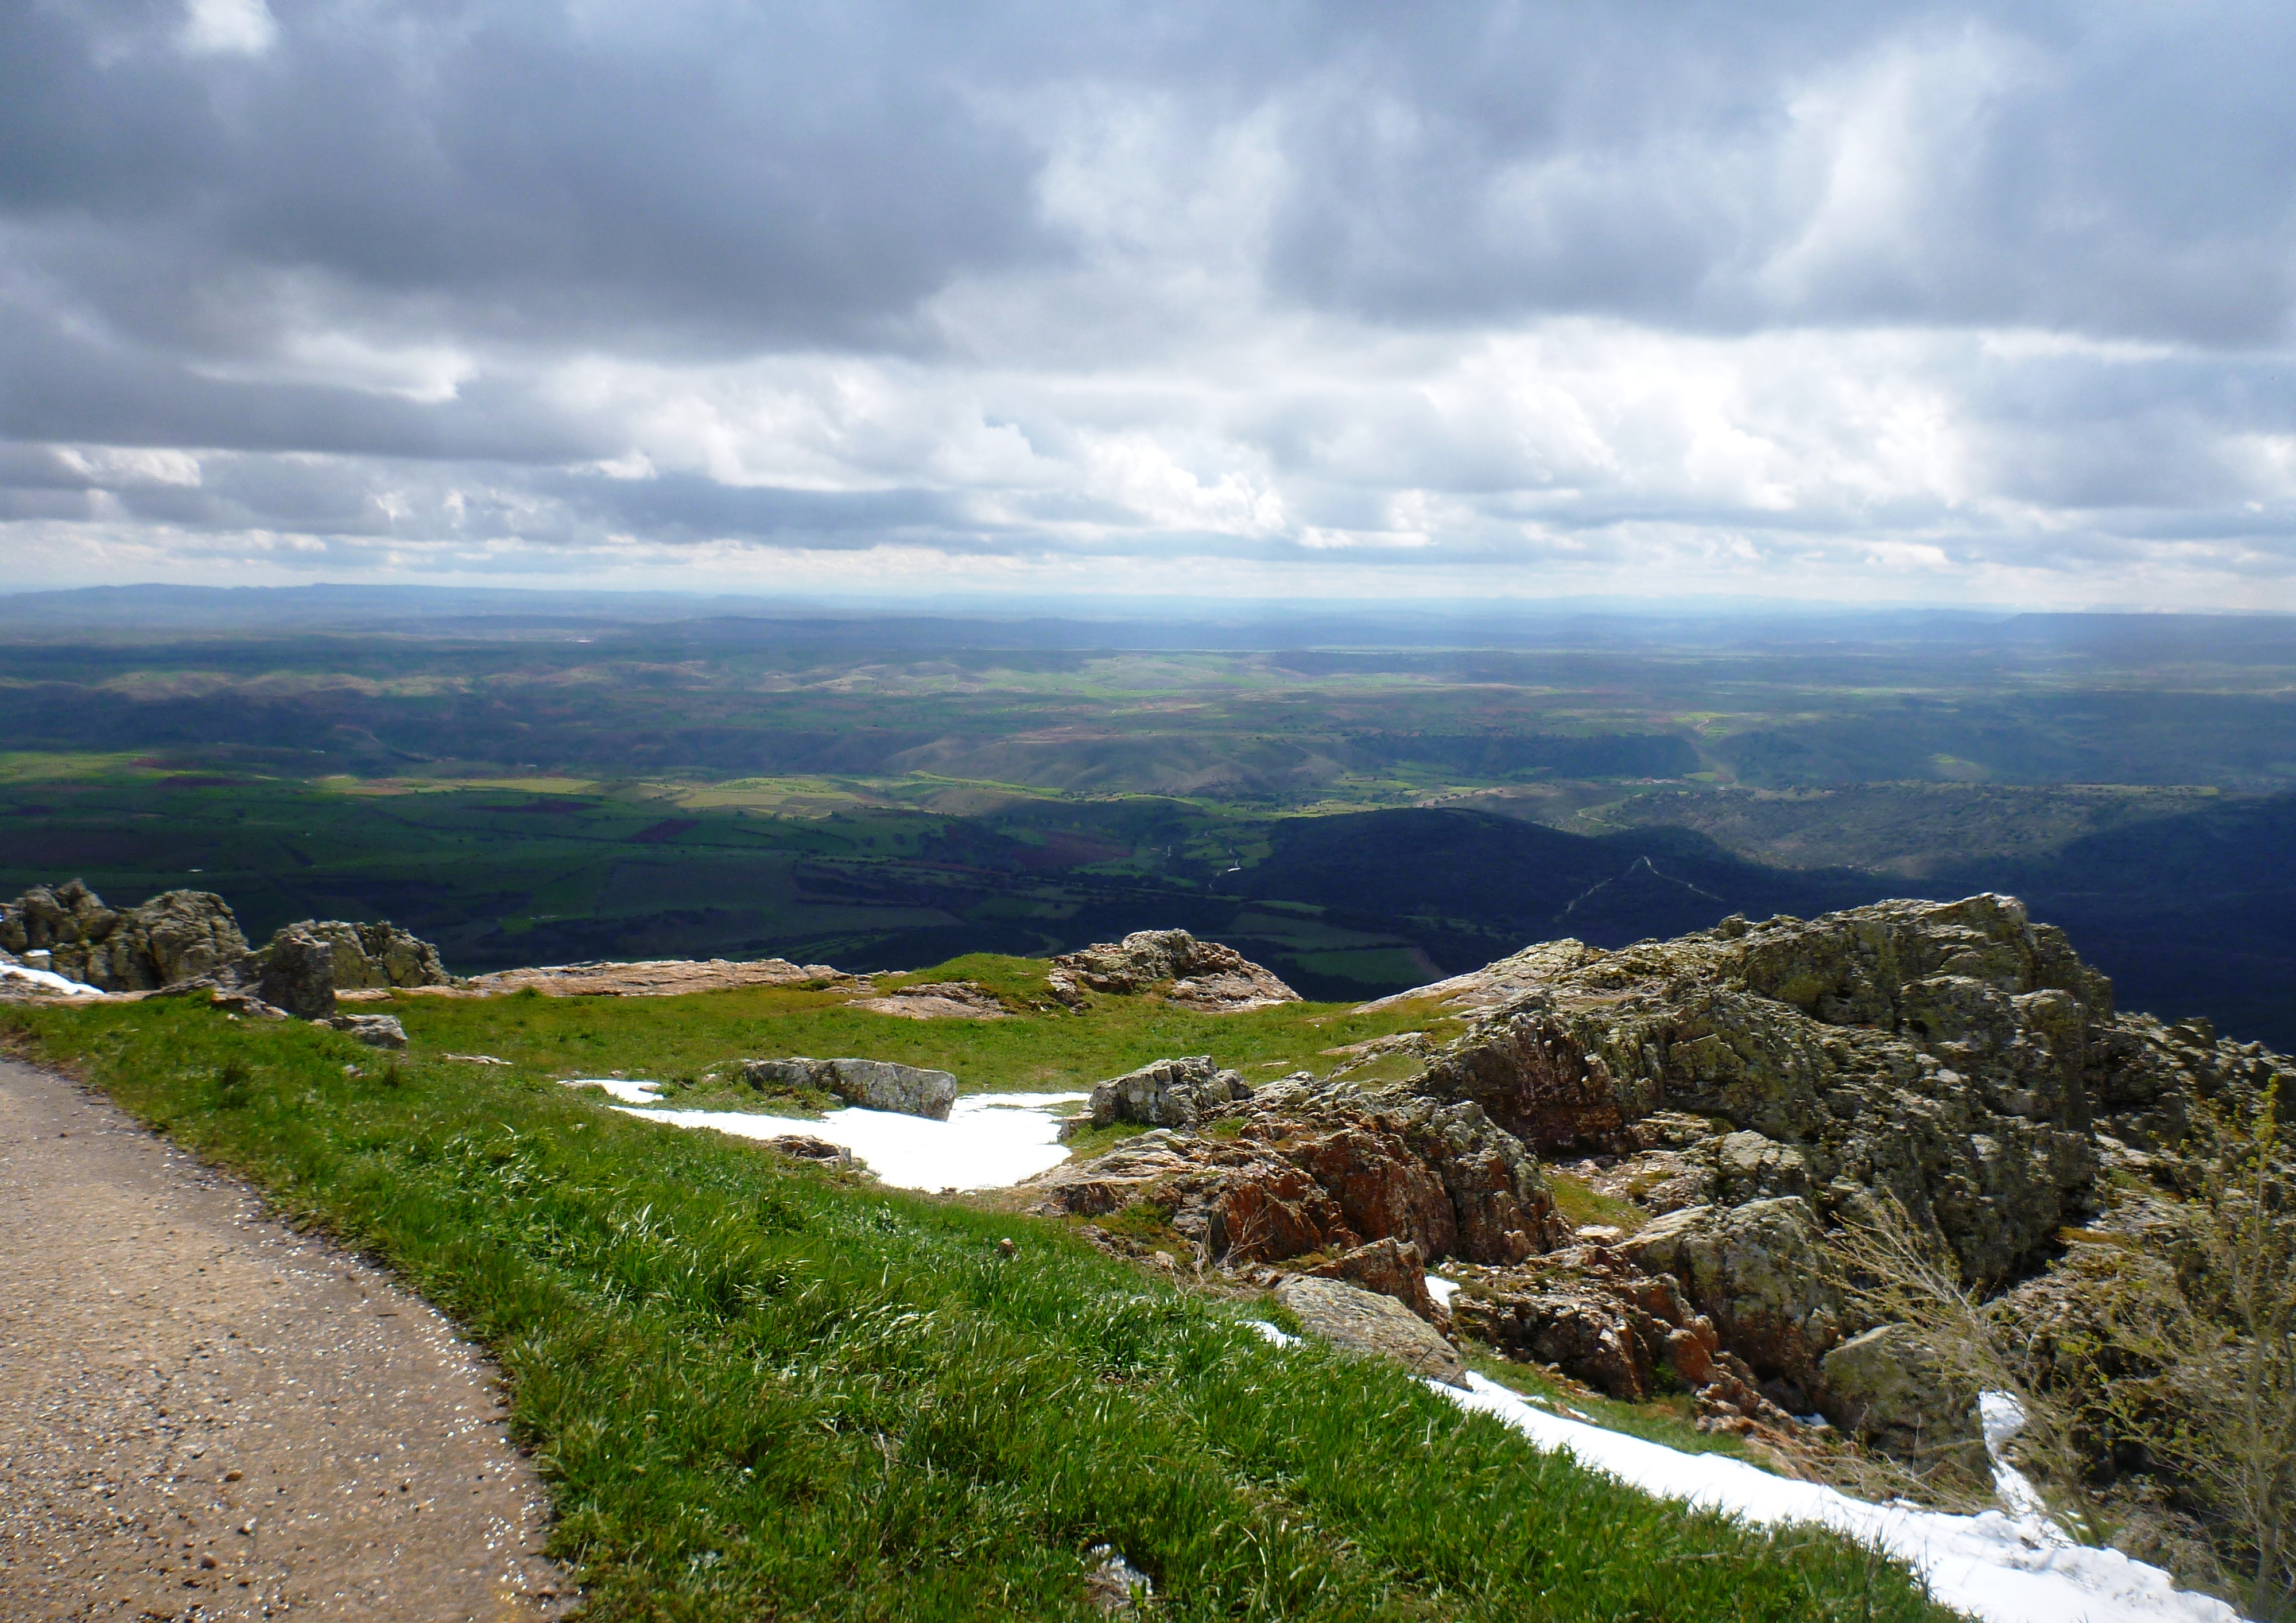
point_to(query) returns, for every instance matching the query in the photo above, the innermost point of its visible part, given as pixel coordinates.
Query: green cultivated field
(760, 1389)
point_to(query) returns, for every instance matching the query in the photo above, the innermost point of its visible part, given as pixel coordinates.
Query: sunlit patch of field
(49, 767)
(345, 783)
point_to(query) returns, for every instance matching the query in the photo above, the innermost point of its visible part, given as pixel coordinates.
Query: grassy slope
(672, 1036)
(757, 1391)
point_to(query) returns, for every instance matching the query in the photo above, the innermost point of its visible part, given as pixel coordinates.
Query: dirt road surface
(205, 1415)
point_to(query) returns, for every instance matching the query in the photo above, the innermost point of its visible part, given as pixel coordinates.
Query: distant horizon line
(1110, 606)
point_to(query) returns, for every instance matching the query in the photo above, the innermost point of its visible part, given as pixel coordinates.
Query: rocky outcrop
(1955, 1055)
(1364, 1321)
(873, 1085)
(1751, 1089)
(373, 956)
(1591, 1312)
(184, 940)
(1191, 973)
(1495, 983)
(1325, 1169)
(176, 936)
(1169, 1094)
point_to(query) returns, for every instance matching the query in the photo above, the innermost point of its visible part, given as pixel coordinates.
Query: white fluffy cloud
(1914, 303)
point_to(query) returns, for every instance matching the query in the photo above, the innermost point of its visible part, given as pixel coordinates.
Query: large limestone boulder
(1192, 973)
(174, 937)
(298, 973)
(375, 955)
(1888, 1387)
(1168, 1094)
(1362, 1321)
(303, 966)
(1758, 1272)
(873, 1085)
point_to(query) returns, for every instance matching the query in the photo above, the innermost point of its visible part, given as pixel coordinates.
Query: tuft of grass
(721, 1092)
(1086, 1142)
(1583, 1206)
(1669, 1419)
(754, 1390)
(1018, 983)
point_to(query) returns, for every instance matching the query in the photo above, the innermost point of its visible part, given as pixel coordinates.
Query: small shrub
(233, 1086)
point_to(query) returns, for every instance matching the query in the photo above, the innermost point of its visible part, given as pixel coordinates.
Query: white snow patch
(1997, 1567)
(2003, 1417)
(626, 1091)
(48, 981)
(989, 1142)
(1441, 1289)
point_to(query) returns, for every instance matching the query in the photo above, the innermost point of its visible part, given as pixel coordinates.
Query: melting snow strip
(1993, 1566)
(989, 1141)
(1996, 1568)
(48, 981)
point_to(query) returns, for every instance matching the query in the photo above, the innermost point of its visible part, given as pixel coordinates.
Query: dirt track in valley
(206, 1415)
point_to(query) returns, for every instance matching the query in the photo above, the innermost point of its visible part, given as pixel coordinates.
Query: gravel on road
(206, 1415)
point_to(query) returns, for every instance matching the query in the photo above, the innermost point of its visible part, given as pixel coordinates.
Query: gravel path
(206, 1415)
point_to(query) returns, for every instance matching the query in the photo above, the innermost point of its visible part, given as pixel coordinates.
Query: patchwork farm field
(1362, 804)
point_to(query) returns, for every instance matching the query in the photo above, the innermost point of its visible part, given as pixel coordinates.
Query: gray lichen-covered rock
(187, 939)
(375, 1031)
(176, 936)
(1758, 1272)
(1955, 1055)
(1169, 1094)
(1194, 974)
(874, 1084)
(376, 955)
(1888, 1386)
(1364, 1321)
(297, 973)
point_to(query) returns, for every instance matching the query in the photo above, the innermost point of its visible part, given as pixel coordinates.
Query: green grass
(1019, 982)
(1670, 1421)
(1086, 1142)
(662, 1037)
(1584, 1206)
(755, 1390)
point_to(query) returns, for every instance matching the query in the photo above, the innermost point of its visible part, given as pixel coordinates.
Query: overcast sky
(1854, 302)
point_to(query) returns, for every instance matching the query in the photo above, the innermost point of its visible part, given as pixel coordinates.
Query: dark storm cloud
(681, 506)
(2112, 170)
(729, 169)
(729, 174)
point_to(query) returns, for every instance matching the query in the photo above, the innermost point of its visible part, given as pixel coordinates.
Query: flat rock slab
(937, 1000)
(206, 1415)
(650, 977)
(1366, 1322)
